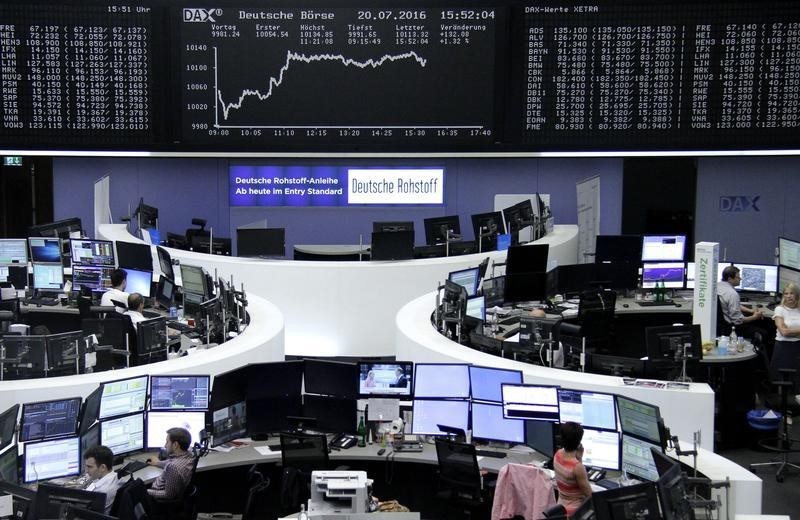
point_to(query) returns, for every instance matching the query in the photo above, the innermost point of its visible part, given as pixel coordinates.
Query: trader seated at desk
(135, 308)
(116, 295)
(747, 321)
(98, 461)
(178, 468)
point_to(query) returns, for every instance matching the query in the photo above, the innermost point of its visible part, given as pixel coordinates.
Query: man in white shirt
(135, 308)
(116, 295)
(99, 461)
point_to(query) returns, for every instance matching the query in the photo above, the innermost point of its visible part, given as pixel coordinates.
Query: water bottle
(173, 312)
(302, 515)
(734, 337)
(362, 433)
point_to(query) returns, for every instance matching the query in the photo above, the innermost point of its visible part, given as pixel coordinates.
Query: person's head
(135, 301)
(538, 313)
(399, 371)
(119, 279)
(98, 460)
(571, 435)
(731, 275)
(791, 296)
(178, 440)
(371, 374)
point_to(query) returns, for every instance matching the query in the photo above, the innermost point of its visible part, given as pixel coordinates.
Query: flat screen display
(45, 250)
(476, 307)
(48, 419)
(601, 449)
(179, 392)
(229, 423)
(441, 380)
(48, 277)
(467, 278)
(671, 273)
(13, 251)
(489, 424)
(428, 413)
(758, 277)
(98, 279)
(789, 253)
(139, 282)
(92, 252)
(334, 378)
(486, 382)
(123, 397)
(531, 402)
(124, 434)
(159, 422)
(638, 418)
(787, 276)
(663, 248)
(590, 409)
(391, 378)
(52, 459)
(637, 459)
(131, 255)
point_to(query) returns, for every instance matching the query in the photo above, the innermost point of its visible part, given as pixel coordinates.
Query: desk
(331, 252)
(713, 357)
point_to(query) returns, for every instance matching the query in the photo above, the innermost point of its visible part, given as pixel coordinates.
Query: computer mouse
(625, 305)
(678, 305)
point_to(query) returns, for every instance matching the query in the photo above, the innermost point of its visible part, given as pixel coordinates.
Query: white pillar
(706, 260)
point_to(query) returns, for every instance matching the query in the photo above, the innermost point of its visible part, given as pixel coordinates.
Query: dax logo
(739, 203)
(200, 14)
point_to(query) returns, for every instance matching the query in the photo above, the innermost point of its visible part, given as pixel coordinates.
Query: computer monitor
(488, 424)
(494, 290)
(98, 279)
(639, 501)
(527, 258)
(48, 277)
(91, 437)
(261, 242)
(672, 490)
(663, 248)
(671, 273)
(332, 414)
(9, 466)
(31, 352)
(541, 436)
(476, 308)
(385, 378)
(49, 419)
(64, 352)
(789, 253)
(672, 342)
(45, 250)
(107, 331)
(637, 459)
(229, 388)
(601, 449)
(147, 215)
(55, 501)
(486, 227)
(84, 251)
(590, 409)
(531, 402)
(333, 378)
(525, 287)
(209, 245)
(787, 276)
(281, 379)
(151, 336)
(165, 292)
(229, 423)
(139, 282)
(270, 414)
(427, 414)
(123, 397)
(618, 248)
(124, 434)
(159, 422)
(179, 392)
(51, 459)
(467, 278)
(193, 279)
(8, 426)
(533, 330)
(393, 226)
(439, 229)
(518, 216)
(90, 410)
(619, 366)
(639, 418)
(60, 228)
(392, 245)
(13, 251)
(132, 255)
(434, 380)
(165, 262)
(762, 278)
(486, 382)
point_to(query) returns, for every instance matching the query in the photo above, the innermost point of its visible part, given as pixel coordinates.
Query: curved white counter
(344, 308)
(260, 342)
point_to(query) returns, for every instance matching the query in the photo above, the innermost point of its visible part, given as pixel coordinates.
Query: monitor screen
(330, 378)
(787, 276)
(638, 418)
(637, 459)
(670, 342)
(590, 409)
(48, 277)
(486, 382)
(690, 275)
(672, 489)
(525, 287)
(8, 425)
(229, 423)
(179, 392)
(165, 292)
(229, 388)
(159, 422)
(90, 410)
(519, 215)
(487, 226)
(9, 466)
(270, 414)
(392, 227)
(541, 436)
(123, 397)
(124, 434)
(670, 272)
(281, 379)
(532, 402)
(427, 414)
(494, 291)
(392, 245)
(98, 279)
(663, 248)
(165, 262)
(639, 501)
(52, 459)
(151, 335)
(193, 279)
(381, 378)
(139, 281)
(601, 449)
(13, 251)
(527, 258)
(45, 250)
(332, 414)
(261, 242)
(441, 380)
(47, 419)
(476, 307)
(758, 277)
(467, 278)
(132, 255)
(438, 229)
(617, 248)
(489, 424)
(789, 253)
(91, 437)
(92, 252)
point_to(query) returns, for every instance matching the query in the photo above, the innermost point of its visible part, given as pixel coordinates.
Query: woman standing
(571, 478)
(787, 338)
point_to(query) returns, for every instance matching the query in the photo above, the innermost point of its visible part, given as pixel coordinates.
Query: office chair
(557, 511)
(300, 455)
(258, 485)
(523, 490)
(183, 507)
(723, 327)
(460, 482)
(192, 233)
(783, 444)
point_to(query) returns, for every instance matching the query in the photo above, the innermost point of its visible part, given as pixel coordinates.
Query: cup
(722, 346)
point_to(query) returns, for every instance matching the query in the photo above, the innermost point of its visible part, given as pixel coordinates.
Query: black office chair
(183, 507)
(258, 486)
(557, 512)
(723, 327)
(461, 488)
(783, 444)
(300, 455)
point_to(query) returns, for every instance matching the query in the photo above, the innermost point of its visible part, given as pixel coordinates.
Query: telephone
(344, 441)
(596, 474)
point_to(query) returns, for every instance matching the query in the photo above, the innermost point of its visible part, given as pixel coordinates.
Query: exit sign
(12, 160)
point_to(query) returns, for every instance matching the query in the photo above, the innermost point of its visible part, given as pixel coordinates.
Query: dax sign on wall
(334, 186)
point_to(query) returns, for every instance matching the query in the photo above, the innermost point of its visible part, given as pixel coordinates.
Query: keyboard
(42, 300)
(607, 483)
(653, 303)
(179, 326)
(132, 466)
(510, 320)
(491, 453)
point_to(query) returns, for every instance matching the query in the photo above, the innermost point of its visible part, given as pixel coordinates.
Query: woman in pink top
(571, 479)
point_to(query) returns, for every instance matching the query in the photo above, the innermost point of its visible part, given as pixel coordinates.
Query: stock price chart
(319, 77)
